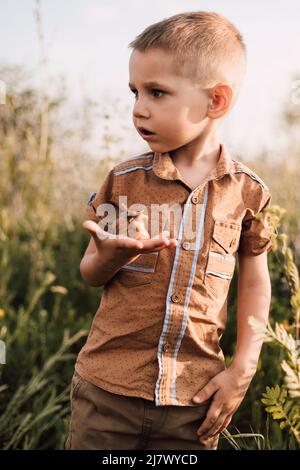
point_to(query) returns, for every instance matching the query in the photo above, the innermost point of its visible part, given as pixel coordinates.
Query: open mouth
(145, 131)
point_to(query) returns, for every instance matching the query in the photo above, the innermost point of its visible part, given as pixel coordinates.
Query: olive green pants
(101, 420)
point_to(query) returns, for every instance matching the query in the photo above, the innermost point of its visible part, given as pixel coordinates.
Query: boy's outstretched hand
(126, 247)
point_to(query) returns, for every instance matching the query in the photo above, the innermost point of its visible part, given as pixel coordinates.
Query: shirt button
(175, 298)
(195, 199)
(186, 245)
(167, 347)
(232, 242)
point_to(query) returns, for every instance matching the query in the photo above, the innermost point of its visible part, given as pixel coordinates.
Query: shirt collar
(164, 167)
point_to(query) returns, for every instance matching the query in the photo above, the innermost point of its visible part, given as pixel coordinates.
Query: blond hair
(207, 47)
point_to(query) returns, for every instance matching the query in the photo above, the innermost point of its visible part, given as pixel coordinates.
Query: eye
(154, 91)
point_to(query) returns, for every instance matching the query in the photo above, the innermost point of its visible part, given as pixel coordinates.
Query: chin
(158, 147)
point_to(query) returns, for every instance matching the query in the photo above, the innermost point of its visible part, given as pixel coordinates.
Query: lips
(145, 131)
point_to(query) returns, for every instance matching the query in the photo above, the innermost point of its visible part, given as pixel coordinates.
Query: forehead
(152, 65)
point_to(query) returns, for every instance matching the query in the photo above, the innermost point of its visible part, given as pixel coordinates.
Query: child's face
(174, 109)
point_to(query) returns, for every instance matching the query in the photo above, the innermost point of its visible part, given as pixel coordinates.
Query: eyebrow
(150, 84)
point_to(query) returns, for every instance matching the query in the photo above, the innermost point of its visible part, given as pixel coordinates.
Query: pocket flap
(227, 235)
(220, 265)
(144, 263)
(139, 272)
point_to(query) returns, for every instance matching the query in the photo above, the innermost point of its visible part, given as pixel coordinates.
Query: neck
(203, 151)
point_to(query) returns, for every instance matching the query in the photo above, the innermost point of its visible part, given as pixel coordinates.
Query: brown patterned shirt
(157, 329)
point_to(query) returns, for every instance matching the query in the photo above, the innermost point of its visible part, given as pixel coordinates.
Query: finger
(152, 244)
(125, 218)
(160, 241)
(211, 418)
(171, 243)
(139, 218)
(140, 215)
(103, 235)
(145, 246)
(164, 234)
(206, 392)
(225, 424)
(137, 230)
(135, 215)
(129, 243)
(125, 211)
(153, 250)
(90, 225)
(96, 231)
(214, 429)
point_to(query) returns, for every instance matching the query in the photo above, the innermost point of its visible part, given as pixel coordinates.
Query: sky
(87, 43)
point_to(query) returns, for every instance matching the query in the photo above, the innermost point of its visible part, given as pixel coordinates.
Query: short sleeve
(103, 196)
(256, 234)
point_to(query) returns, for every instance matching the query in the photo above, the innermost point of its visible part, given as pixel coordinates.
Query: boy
(151, 374)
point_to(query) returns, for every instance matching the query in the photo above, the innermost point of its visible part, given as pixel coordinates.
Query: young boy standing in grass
(152, 374)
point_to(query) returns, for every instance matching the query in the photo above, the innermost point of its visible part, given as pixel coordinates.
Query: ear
(220, 102)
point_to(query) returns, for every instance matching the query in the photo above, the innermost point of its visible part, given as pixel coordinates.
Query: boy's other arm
(254, 298)
(229, 387)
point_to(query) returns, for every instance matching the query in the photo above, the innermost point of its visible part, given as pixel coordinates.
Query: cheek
(168, 127)
(197, 112)
(176, 123)
(188, 127)
(181, 128)
(178, 126)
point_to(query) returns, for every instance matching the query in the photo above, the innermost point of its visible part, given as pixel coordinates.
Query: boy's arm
(98, 269)
(254, 285)
(107, 253)
(101, 262)
(105, 256)
(254, 298)
(254, 295)
(230, 386)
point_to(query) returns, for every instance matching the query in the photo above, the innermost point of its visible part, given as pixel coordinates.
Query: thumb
(164, 234)
(206, 392)
(96, 232)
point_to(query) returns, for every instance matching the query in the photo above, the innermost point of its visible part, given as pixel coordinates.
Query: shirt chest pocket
(141, 271)
(221, 259)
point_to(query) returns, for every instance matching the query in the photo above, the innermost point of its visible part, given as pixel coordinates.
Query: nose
(140, 109)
